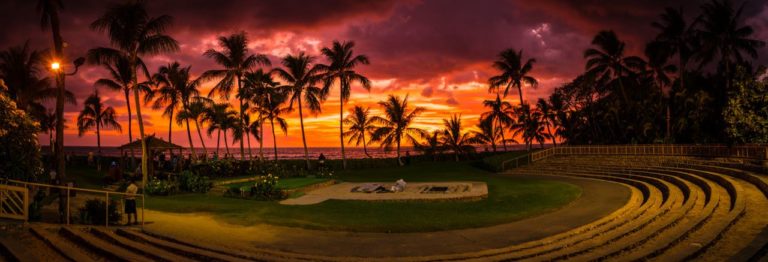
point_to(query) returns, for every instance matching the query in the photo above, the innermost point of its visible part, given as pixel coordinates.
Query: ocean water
(282, 152)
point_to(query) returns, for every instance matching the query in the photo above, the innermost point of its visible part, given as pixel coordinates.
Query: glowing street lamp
(55, 66)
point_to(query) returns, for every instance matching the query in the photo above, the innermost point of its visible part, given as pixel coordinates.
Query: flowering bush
(324, 171)
(192, 182)
(263, 188)
(159, 187)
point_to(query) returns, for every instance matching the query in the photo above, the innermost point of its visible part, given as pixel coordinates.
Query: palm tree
(547, 117)
(120, 79)
(487, 134)
(96, 115)
(529, 126)
(395, 124)
(360, 123)
(301, 77)
(342, 69)
(607, 62)
(677, 36)
(259, 84)
(501, 115)
(658, 69)
(236, 61)
(48, 125)
(723, 35)
(49, 15)
(20, 67)
(195, 110)
(135, 33)
(220, 117)
(272, 108)
(174, 92)
(454, 139)
(431, 145)
(514, 73)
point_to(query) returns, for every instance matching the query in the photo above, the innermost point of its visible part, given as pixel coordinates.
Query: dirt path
(599, 198)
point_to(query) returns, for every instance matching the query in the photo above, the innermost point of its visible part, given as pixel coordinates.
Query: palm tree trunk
(341, 123)
(170, 130)
(365, 149)
(130, 132)
(226, 144)
(200, 134)
(242, 122)
(520, 92)
(261, 143)
(551, 136)
(61, 165)
(303, 138)
(98, 144)
(503, 138)
(248, 136)
(274, 138)
(218, 139)
(144, 151)
(191, 144)
(399, 162)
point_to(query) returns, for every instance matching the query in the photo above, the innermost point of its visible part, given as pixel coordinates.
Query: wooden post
(106, 208)
(68, 187)
(142, 211)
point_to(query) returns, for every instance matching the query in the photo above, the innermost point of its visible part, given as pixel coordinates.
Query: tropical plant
(120, 79)
(220, 117)
(501, 115)
(96, 116)
(19, 149)
(342, 69)
(607, 61)
(177, 91)
(395, 124)
(236, 61)
(131, 30)
(301, 76)
(513, 73)
(455, 139)
(529, 126)
(258, 83)
(677, 36)
(271, 109)
(547, 117)
(194, 110)
(360, 124)
(486, 134)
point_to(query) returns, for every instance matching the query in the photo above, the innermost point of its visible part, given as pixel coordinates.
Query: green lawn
(509, 199)
(288, 183)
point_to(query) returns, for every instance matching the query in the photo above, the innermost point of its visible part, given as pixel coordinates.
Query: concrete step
(149, 251)
(97, 245)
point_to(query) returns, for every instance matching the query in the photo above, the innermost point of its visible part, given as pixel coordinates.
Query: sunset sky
(438, 52)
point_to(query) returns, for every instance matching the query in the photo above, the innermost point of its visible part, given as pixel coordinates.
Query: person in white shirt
(130, 202)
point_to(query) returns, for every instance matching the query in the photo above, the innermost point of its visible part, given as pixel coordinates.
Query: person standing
(130, 202)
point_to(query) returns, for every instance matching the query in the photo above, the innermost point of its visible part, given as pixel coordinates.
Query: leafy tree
(514, 73)
(746, 113)
(432, 146)
(501, 115)
(19, 149)
(259, 84)
(395, 124)
(342, 69)
(455, 139)
(607, 61)
(271, 110)
(485, 134)
(96, 116)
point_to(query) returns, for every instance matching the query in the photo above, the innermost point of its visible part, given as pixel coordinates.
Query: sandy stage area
(456, 190)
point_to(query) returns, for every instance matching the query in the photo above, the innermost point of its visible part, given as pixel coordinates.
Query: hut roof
(152, 143)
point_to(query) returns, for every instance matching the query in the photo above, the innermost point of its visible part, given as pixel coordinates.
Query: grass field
(509, 199)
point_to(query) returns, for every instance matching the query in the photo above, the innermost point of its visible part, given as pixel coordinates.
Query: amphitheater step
(177, 248)
(103, 248)
(154, 253)
(61, 245)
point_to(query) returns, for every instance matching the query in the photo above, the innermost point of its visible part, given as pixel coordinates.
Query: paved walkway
(343, 191)
(599, 198)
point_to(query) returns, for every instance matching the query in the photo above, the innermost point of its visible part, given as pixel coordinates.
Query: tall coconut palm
(342, 66)
(49, 15)
(96, 116)
(236, 61)
(607, 61)
(486, 134)
(48, 125)
(513, 73)
(547, 117)
(131, 30)
(360, 125)
(431, 146)
(455, 139)
(195, 110)
(259, 83)
(301, 76)
(659, 70)
(677, 37)
(120, 78)
(174, 91)
(218, 115)
(501, 114)
(395, 124)
(529, 126)
(272, 108)
(724, 35)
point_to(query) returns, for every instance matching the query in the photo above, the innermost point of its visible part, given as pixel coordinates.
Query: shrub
(19, 150)
(159, 187)
(192, 182)
(94, 211)
(263, 188)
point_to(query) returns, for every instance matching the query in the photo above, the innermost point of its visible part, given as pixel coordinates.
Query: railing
(754, 152)
(69, 190)
(14, 202)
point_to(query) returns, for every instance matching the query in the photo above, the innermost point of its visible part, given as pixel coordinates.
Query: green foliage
(746, 114)
(19, 149)
(193, 182)
(94, 211)
(158, 187)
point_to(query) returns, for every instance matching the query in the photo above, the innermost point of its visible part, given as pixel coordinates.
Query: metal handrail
(69, 189)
